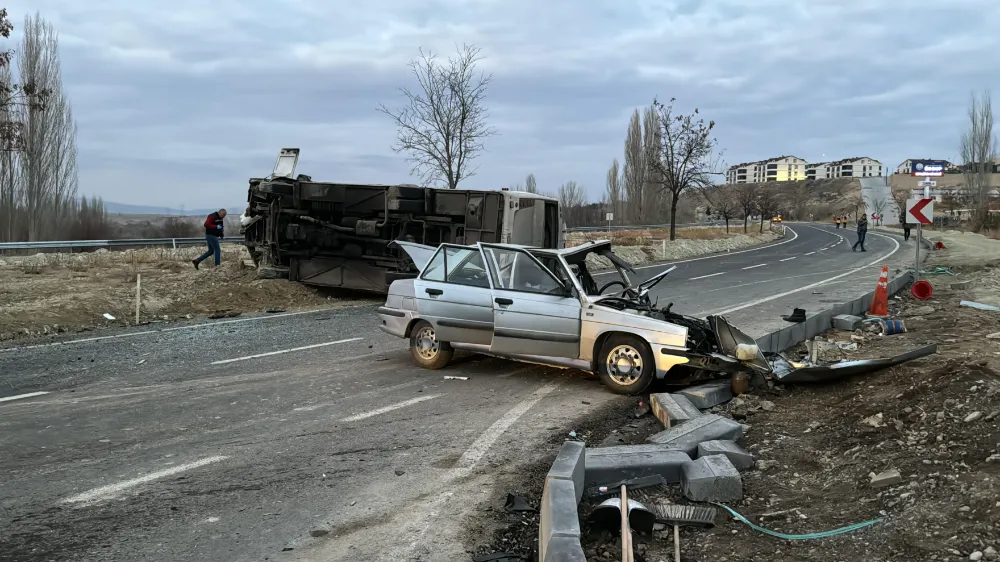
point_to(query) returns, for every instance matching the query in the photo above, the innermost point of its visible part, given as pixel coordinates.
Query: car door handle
(503, 301)
(434, 292)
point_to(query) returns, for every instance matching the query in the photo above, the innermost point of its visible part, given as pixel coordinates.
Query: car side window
(518, 272)
(435, 268)
(465, 267)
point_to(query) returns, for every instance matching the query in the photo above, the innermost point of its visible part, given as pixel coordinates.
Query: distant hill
(126, 209)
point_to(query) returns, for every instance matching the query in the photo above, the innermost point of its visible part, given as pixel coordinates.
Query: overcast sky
(180, 102)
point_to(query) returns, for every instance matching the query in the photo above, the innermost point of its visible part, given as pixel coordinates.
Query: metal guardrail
(178, 242)
(73, 244)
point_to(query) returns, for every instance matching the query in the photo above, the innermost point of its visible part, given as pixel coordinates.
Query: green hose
(938, 271)
(823, 535)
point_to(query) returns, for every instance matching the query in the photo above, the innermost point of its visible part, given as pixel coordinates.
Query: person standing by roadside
(862, 231)
(836, 220)
(214, 232)
(906, 226)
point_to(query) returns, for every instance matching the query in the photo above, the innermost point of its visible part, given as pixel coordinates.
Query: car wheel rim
(624, 365)
(427, 344)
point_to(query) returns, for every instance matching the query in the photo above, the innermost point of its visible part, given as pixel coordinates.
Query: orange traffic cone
(880, 303)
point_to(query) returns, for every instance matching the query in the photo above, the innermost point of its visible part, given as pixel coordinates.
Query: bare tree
(443, 126)
(722, 201)
(978, 152)
(685, 158)
(767, 203)
(878, 207)
(572, 198)
(14, 96)
(746, 195)
(899, 198)
(634, 170)
(529, 184)
(614, 189)
(652, 188)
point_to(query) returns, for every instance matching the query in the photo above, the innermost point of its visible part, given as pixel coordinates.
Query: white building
(782, 168)
(857, 167)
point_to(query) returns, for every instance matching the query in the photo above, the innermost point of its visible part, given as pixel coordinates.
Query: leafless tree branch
(443, 125)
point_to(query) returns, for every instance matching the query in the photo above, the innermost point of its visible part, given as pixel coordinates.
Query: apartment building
(782, 168)
(819, 170)
(857, 167)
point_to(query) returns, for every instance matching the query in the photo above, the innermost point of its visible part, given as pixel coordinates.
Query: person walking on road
(906, 226)
(862, 231)
(213, 233)
(836, 220)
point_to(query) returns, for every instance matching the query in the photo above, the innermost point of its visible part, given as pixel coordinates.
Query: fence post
(138, 298)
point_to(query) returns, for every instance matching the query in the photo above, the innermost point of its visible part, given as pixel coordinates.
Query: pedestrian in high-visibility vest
(836, 220)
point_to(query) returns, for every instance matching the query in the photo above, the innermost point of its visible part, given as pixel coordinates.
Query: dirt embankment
(53, 293)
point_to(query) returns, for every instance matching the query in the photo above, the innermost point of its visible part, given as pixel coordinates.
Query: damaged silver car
(545, 306)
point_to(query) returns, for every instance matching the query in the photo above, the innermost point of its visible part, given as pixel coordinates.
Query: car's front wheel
(427, 351)
(626, 364)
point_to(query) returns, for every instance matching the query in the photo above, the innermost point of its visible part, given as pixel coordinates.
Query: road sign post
(610, 217)
(920, 211)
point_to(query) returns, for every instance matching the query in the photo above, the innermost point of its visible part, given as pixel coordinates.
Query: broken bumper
(394, 321)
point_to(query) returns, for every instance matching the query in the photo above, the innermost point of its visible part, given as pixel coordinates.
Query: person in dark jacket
(213, 233)
(906, 226)
(862, 231)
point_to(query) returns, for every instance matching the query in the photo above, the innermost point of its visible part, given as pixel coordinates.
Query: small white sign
(928, 183)
(610, 217)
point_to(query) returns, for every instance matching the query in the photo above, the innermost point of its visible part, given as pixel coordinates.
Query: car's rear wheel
(626, 364)
(427, 351)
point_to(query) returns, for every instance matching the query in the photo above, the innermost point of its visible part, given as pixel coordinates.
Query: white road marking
(709, 275)
(279, 352)
(818, 283)
(480, 446)
(810, 253)
(20, 396)
(380, 391)
(753, 266)
(162, 330)
(111, 490)
(389, 408)
(668, 264)
(791, 258)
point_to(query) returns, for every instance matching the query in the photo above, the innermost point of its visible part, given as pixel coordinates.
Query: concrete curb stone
(621, 462)
(741, 459)
(558, 517)
(712, 479)
(708, 395)
(569, 465)
(673, 407)
(708, 427)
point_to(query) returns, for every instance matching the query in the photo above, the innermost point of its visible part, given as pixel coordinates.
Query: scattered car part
(517, 503)
(608, 515)
(790, 371)
(797, 315)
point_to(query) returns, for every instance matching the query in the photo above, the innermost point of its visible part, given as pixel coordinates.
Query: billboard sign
(928, 168)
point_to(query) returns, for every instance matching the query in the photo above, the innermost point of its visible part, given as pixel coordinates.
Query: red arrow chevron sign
(920, 210)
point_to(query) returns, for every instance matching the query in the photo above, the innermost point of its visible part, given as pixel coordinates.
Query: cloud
(182, 102)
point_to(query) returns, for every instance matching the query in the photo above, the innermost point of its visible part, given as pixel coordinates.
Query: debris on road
(455, 378)
(108, 316)
(517, 503)
(885, 479)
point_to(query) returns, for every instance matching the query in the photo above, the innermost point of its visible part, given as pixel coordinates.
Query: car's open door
(534, 313)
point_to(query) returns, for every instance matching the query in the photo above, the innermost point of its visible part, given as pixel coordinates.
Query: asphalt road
(312, 436)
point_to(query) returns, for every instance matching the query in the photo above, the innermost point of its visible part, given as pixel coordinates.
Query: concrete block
(558, 515)
(564, 549)
(673, 407)
(707, 427)
(888, 478)
(741, 459)
(569, 465)
(961, 285)
(847, 322)
(711, 479)
(612, 464)
(704, 396)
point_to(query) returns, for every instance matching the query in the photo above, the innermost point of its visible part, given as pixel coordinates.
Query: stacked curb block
(705, 462)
